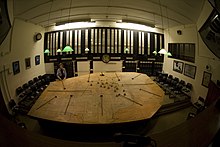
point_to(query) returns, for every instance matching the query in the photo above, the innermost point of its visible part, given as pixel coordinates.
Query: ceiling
(161, 13)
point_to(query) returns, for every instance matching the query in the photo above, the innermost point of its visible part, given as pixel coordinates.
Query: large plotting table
(99, 98)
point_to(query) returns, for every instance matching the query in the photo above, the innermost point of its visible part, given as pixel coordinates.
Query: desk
(113, 97)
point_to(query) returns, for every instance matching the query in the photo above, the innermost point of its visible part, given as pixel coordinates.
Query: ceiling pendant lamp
(162, 51)
(67, 49)
(86, 50)
(59, 50)
(46, 51)
(126, 50)
(155, 53)
(169, 54)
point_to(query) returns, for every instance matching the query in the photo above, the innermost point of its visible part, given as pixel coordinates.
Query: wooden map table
(99, 98)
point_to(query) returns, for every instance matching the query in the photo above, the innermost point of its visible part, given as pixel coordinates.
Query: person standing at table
(61, 72)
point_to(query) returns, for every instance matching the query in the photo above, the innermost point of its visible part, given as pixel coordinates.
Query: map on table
(100, 98)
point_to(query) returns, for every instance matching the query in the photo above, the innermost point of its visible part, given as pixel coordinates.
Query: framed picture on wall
(37, 59)
(16, 67)
(206, 78)
(28, 63)
(178, 66)
(190, 70)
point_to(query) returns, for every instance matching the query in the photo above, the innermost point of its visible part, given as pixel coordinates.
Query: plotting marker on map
(150, 92)
(131, 100)
(117, 76)
(63, 85)
(88, 78)
(68, 104)
(46, 102)
(101, 105)
(136, 76)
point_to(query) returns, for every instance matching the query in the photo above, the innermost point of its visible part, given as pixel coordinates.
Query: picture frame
(178, 66)
(16, 67)
(190, 70)
(206, 79)
(28, 63)
(37, 59)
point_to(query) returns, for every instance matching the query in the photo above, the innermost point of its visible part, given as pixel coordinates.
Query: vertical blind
(104, 41)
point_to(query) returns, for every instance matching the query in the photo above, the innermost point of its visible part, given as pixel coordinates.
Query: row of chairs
(173, 86)
(29, 92)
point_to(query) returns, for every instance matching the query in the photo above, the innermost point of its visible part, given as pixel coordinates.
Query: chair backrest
(201, 99)
(19, 90)
(182, 82)
(11, 104)
(170, 76)
(40, 77)
(189, 86)
(25, 86)
(31, 82)
(35, 79)
(176, 79)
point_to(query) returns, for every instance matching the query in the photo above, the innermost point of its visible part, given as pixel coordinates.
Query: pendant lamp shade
(155, 52)
(47, 51)
(59, 51)
(126, 50)
(162, 51)
(86, 50)
(169, 54)
(67, 49)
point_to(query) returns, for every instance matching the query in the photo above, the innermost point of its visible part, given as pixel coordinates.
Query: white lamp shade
(154, 52)
(47, 51)
(86, 50)
(169, 54)
(126, 50)
(59, 51)
(162, 51)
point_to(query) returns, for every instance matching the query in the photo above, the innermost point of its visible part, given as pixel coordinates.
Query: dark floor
(154, 125)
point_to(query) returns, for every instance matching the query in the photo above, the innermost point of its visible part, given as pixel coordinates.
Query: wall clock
(38, 36)
(105, 58)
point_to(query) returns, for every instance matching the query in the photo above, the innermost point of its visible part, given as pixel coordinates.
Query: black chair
(199, 105)
(35, 79)
(13, 106)
(25, 86)
(170, 88)
(30, 83)
(167, 83)
(15, 110)
(191, 115)
(19, 90)
(40, 77)
(187, 90)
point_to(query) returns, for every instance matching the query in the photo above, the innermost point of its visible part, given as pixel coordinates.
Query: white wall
(203, 55)
(83, 67)
(17, 47)
(111, 66)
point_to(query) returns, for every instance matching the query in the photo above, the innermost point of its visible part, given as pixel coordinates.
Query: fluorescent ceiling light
(138, 22)
(74, 25)
(134, 26)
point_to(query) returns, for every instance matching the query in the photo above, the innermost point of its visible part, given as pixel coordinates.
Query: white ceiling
(48, 12)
